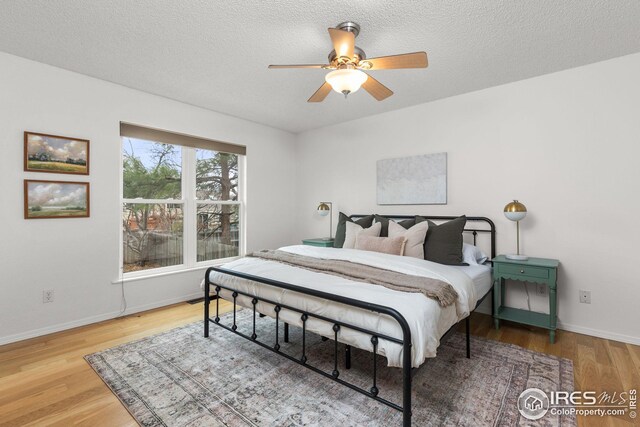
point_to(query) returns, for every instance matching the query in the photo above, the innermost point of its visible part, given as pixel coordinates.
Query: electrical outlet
(47, 295)
(541, 289)
(585, 297)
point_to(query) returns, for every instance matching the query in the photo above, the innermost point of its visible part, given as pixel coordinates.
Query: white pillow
(415, 237)
(352, 230)
(472, 255)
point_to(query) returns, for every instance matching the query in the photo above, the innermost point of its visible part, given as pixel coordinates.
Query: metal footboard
(303, 359)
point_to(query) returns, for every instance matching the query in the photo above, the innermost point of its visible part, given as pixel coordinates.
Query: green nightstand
(322, 242)
(535, 270)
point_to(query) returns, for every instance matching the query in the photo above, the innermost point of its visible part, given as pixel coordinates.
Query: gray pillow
(444, 241)
(407, 223)
(341, 230)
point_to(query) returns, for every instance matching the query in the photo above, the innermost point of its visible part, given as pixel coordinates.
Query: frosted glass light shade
(346, 81)
(515, 216)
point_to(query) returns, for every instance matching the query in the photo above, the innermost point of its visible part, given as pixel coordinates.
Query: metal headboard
(473, 219)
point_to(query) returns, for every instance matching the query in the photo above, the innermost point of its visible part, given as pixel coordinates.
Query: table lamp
(324, 209)
(516, 211)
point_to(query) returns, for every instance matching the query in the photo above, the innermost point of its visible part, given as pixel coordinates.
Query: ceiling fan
(348, 62)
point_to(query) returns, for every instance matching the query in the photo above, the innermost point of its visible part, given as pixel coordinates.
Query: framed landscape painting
(55, 154)
(55, 199)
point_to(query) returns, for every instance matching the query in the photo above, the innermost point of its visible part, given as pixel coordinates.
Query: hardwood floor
(45, 380)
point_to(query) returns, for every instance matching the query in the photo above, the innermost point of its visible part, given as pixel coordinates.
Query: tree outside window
(162, 212)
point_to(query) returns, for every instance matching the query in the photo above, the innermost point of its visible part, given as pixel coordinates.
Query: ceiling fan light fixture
(346, 81)
(350, 62)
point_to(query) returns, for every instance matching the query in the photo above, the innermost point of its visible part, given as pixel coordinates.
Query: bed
(405, 328)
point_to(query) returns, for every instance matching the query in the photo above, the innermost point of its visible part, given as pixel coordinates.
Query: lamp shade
(323, 209)
(346, 81)
(515, 211)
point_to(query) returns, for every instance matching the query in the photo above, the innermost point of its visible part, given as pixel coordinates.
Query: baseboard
(94, 319)
(582, 330)
(599, 333)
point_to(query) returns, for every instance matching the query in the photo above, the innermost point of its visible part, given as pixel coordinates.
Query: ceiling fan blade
(343, 42)
(298, 66)
(377, 89)
(406, 60)
(321, 93)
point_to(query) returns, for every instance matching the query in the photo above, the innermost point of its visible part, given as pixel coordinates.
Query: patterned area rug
(180, 378)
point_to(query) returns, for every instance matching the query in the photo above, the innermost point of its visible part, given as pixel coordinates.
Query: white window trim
(190, 204)
(170, 271)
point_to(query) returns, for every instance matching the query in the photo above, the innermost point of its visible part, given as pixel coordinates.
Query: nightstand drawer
(523, 270)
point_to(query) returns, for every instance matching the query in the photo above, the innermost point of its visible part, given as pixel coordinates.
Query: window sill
(153, 275)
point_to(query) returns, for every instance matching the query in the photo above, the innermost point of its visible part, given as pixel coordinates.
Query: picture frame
(55, 154)
(45, 199)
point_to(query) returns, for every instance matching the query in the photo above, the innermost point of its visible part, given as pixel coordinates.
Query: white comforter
(427, 320)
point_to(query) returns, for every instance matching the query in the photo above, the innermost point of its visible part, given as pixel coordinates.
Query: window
(181, 205)
(217, 205)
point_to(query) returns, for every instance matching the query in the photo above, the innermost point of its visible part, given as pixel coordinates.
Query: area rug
(180, 378)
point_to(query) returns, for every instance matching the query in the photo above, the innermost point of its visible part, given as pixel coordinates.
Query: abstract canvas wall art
(415, 180)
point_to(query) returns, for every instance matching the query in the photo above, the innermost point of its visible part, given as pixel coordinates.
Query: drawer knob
(522, 271)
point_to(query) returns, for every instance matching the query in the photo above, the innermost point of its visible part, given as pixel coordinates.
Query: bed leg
(206, 308)
(347, 357)
(286, 332)
(467, 327)
(406, 382)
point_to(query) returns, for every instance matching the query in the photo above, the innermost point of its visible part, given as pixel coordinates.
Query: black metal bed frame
(407, 370)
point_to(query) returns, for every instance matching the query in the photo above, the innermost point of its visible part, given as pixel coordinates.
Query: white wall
(78, 258)
(565, 144)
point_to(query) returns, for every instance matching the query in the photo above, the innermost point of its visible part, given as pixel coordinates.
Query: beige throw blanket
(435, 289)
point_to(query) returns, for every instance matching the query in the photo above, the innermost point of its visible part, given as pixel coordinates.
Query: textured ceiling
(214, 54)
